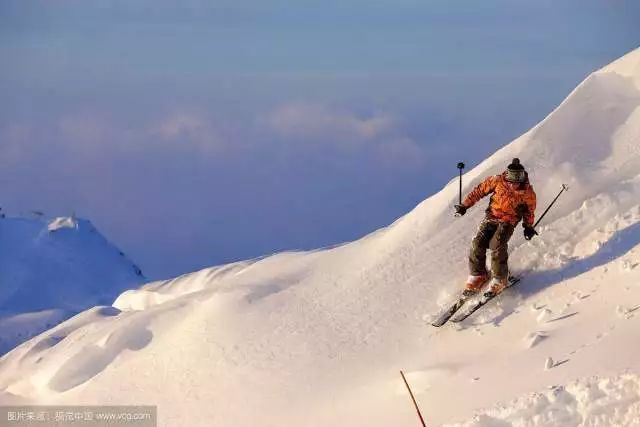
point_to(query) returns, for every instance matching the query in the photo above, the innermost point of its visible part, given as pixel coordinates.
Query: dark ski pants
(495, 236)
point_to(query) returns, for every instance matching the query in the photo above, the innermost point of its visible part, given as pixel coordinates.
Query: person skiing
(512, 199)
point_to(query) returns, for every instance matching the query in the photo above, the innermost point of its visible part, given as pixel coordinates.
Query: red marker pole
(413, 399)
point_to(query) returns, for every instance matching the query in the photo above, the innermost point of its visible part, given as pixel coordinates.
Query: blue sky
(194, 133)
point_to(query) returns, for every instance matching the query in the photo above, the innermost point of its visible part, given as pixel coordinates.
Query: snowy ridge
(628, 66)
(52, 270)
(317, 338)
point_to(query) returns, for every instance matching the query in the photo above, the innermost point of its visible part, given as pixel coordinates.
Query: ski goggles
(515, 175)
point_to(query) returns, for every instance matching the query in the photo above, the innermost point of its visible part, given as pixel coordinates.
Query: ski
(446, 315)
(483, 301)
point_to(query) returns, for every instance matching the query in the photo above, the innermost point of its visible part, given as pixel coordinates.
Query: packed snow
(51, 270)
(318, 338)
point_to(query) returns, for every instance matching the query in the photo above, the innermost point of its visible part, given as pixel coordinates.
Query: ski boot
(497, 285)
(474, 284)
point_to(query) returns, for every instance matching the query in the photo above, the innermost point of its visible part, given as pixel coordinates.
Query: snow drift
(586, 402)
(317, 338)
(52, 270)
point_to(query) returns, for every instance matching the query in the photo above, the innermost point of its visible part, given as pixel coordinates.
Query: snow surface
(593, 402)
(62, 222)
(318, 338)
(52, 270)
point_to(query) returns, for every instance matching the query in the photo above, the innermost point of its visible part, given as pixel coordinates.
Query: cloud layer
(189, 184)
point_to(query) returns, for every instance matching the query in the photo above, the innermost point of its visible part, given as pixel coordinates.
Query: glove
(460, 210)
(529, 232)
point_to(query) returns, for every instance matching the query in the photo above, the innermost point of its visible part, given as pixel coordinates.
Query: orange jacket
(506, 204)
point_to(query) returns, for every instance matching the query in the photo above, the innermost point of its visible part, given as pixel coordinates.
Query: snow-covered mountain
(51, 270)
(317, 338)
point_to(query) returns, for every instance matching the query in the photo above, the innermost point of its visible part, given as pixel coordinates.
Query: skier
(512, 199)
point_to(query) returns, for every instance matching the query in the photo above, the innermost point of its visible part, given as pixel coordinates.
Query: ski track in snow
(318, 338)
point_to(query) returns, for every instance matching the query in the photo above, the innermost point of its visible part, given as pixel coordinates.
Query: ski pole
(460, 167)
(564, 188)
(414, 399)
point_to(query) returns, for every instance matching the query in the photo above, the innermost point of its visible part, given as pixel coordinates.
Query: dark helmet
(515, 172)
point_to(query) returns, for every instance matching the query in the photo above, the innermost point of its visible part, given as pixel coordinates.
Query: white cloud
(313, 121)
(380, 135)
(181, 125)
(188, 128)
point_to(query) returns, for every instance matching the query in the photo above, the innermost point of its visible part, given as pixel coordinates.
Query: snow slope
(51, 270)
(317, 338)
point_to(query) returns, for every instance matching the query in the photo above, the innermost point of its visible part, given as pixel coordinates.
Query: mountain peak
(52, 269)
